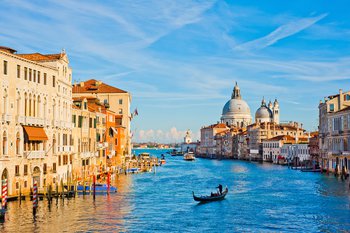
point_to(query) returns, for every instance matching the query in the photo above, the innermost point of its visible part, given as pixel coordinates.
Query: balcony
(39, 154)
(6, 117)
(21, 119)
(112, 152)
(32, 120)
(4, 158)
(87, 154)
(47, 122)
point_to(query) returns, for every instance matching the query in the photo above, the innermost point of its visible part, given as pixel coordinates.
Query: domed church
(236, 111)
(268, 113)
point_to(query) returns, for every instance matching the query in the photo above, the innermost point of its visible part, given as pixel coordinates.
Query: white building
(296, 153)
(35, 115)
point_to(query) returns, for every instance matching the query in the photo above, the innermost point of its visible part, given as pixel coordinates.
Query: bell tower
(276, 112)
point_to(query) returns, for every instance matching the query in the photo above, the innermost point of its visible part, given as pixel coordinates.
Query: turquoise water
(261, 198)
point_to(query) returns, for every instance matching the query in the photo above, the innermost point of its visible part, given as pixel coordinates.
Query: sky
(180, 59)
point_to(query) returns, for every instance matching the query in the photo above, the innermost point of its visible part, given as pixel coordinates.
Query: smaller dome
(263, 112)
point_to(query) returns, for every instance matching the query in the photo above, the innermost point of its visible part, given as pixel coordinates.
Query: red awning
(35, 133)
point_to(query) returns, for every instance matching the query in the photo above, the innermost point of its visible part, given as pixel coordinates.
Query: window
(17, 170)
(54, 167)
(34, 75)
(85, 105)
(74, 120)
(120, 111)
(90, 122)
(45, 168)
(53, 81)
(25, 73)
(30, 74)
(5, 67)
(120, 101)
(116, 141)
(38, 76)
(95, 122)
(18, 71)
(59, 160)
(25, 170)
(80, 122)
(331, 107)
(45, 78)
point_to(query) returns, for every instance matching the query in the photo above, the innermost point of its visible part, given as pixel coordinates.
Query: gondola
(210, 198)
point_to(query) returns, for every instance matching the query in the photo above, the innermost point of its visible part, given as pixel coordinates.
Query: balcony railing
(65, 148)
(28, 120)
(21, 119)
(39, 154)
(6, 117)
(86, 154)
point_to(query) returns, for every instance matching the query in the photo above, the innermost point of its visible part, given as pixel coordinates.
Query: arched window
(54, 144)
(18, 103)
(39, 111)
(30, 105)
(45, 108)
(25, 104)
(18, 143)
(4, 143)
(34, 106)
(5, 101)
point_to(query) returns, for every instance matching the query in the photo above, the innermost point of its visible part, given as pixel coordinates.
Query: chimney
(82, 84)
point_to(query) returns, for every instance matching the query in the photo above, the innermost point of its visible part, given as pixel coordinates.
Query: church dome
(235, 106)
(236, 111)
(263, 112)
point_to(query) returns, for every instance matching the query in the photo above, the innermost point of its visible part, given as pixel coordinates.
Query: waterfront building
(296, 154)
(258, 132)
(236, 111)
(84, 122)
(223, 142)
(188, 145)
(334, 131)
(314, 148)
(272, 148)
(35, 115)
(240, 145)
(117, 100)
(208, 145)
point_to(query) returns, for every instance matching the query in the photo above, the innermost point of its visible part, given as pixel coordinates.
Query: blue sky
(180, 59)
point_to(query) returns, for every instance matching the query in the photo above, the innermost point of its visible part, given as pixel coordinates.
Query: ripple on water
(261, 198)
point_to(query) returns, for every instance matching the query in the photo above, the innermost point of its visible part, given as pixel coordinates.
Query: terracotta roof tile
(40, 57)
(94, 86)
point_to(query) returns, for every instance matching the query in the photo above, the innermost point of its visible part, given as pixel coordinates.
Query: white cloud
(281, 32)
(170, 136)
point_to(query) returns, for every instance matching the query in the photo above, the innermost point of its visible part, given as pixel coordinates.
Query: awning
(35, 133)
(114, 130)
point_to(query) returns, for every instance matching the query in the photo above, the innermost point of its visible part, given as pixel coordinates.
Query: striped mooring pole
(4, 194)
(35, 197)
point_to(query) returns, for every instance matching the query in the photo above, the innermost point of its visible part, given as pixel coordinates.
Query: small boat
(212, 197)
(189, 156)
(100, 188)
(132, 170)
(162, 161)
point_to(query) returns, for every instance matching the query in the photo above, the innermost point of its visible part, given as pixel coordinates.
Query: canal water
(261, 198)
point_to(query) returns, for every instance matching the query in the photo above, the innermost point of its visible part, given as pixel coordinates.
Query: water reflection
(261, 198)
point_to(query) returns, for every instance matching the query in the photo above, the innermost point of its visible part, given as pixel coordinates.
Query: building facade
(334, 131)
(35, 112)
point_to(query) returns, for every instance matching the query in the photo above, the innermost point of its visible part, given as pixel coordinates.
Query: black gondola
(211, 197)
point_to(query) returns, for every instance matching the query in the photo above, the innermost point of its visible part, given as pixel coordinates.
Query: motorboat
(189, 156)
(99, 188)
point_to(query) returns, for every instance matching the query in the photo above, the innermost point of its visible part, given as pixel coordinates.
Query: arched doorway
(3, 177)
(36, 176)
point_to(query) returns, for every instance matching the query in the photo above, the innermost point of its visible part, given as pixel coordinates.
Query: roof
(41, 57)
(94, 86)
(281, 137)
(7, 49)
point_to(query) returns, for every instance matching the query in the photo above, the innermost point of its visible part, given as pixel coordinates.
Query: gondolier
(220, 188)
